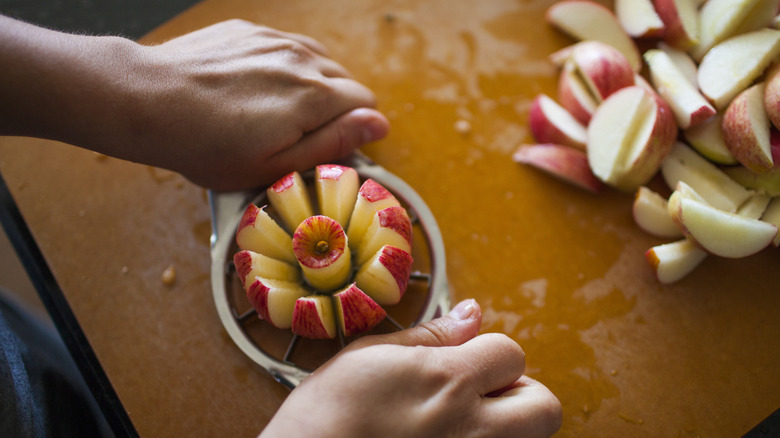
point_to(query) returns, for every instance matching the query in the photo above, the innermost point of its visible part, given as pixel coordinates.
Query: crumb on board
(169, 276)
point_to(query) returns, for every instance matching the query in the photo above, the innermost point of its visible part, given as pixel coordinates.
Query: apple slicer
(286, 356)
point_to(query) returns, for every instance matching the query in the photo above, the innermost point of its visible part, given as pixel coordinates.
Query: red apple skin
(331, 171)
(564, 162)
(257, 294)
(373, 191)
(570, 100)
(248, 218)
(544, 129)
(674, 32)
(739, 135)
(772, 98)
(283, 183)
(243, 262)
(399, 263)
(359, 311)
(314, 229)
(395, 218)
(307, 321)
(606, 67)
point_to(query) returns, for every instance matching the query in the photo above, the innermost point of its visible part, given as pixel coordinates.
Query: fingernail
(463, 310)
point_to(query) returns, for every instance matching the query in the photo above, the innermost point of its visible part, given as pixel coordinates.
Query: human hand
(438, 379)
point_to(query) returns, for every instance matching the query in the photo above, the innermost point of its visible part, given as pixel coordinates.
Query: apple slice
(772, 96)
(574, 95)
(629, 136)
(754, 207)
(551, 123)
(746, 130)
(586, 20)
(371, 198)
(390, 226)
(767, 183)
(683, 61)
(274, 300)
(671, 262)
(250, 264)
(681, 22)
(336, 188)
(719, 232)
(356, 311)
(566, 163)
(688, 105)
(683, 164)
(638, 18)
(772, 216)
(732, 65)
(651, 214)
(722, 19)
(290, 198)
(602, 68)
(258, 232)
(313, 317)
(320, 245)
(385, 276)
(707, 139)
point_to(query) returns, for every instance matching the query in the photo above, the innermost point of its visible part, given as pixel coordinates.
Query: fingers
(528, 409)
(334, 140)
(457, 327)
(489, 362)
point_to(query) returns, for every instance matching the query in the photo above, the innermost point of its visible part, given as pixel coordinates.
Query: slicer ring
(226, 211)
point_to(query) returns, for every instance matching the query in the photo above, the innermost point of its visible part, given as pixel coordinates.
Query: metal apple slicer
(290, 358)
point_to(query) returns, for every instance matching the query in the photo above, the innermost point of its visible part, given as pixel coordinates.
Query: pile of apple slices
(317, 274)
(706, 114)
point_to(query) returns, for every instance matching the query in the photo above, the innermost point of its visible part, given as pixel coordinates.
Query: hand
(438, 379)
(230, 106)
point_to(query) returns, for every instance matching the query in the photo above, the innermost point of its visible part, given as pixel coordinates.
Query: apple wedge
(601, 67)
(707, 139)
(651, 214)
(722, 19)
(671, 262)
(320, 245)
(385, 276)
(684, 164)
(719, 232)
(767, 183)
(587, 20)
(754, 207)
(250, 264)
(551, 123)
(629, 136)
(258, 232)
(357, 312)
(336, 187)
(746, 130)
(732, 65)
(566, 163)
(772, 97)
(274, 300)
(683, 61)
(638, 18)
(772, 216)
(314, 318)
(390, 226)
(688, 105)
(371, 198)
(574, 95)
(290, 199)
(681, 22)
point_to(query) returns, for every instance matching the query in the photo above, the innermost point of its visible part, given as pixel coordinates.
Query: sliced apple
(732, 65)
(707, 139)
(390, 226)
(671, 262)
(746, 130)
(772, 216)
(336, 188)
(551, 123)
(683, 61)
(258, 232)
(290, 199)
(603, 68)
(754, 207)
(719, 20)
(250, 264)
(371, 198)
(320, 245)
(719, 232)
(566, 163)
(767, 183)
(681, 22)
(356, 311)
(639, 18)
(574, 95)
(274, 300)
(772, 97)
(688, 105)
(385, 276)
(651, 214)
(314, 318)
(629, 136)
(587, 20)
(684, 164)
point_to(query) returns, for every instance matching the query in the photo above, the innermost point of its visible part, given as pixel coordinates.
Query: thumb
(460, 325)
